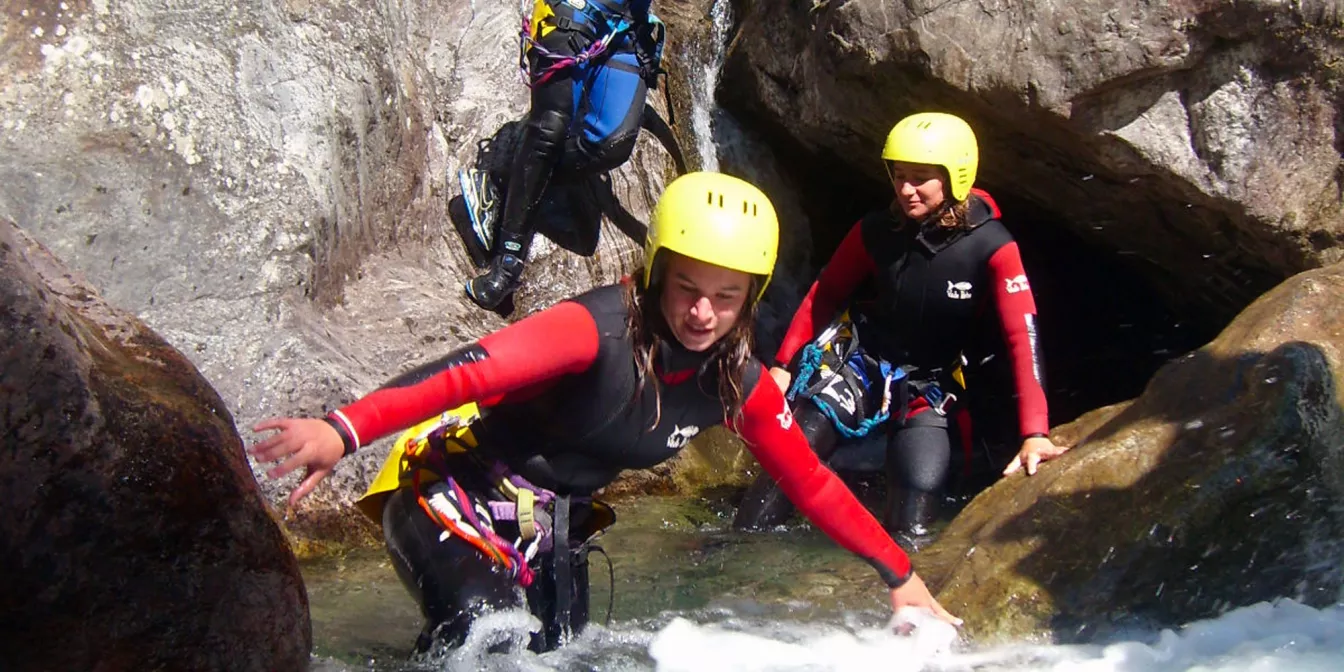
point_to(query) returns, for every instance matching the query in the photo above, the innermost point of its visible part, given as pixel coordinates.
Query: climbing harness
(453, 511)
(835, 359)
(589, 19)
(606, 31)
(424, 459)
(813, 363)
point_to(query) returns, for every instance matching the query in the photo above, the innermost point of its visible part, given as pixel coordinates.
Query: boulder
(267, 184)
(1219, 487)
(136, 536)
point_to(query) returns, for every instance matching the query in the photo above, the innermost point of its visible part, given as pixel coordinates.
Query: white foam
(1262, 637)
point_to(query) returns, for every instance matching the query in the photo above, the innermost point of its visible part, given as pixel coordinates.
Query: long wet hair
(648, 328)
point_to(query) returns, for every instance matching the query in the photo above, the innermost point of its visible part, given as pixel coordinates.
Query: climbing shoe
(482, 202)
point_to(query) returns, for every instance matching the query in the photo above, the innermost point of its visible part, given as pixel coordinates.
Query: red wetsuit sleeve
(1017, 318)
(560, 340)
(848, 267)
(774, 438)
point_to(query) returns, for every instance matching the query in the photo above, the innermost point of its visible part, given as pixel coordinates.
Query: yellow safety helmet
(718, 219)
(939, 139)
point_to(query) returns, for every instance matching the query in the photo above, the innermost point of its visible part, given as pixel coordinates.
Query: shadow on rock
(1217, 488)
(136, 537)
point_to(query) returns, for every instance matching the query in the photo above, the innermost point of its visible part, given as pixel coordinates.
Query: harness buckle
(526, 504)
(944, 400)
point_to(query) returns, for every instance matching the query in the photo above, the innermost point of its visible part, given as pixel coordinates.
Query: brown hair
(955, 217)
(647, 327)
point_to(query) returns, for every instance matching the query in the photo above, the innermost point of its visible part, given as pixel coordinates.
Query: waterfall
(703, 107)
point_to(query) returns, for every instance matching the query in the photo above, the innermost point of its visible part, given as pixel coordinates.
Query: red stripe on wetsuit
(780, 446)
(851, 265)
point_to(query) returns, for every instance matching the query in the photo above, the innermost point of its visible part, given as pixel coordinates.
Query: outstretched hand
(308, 443)
(1034, 450)
(914, 593)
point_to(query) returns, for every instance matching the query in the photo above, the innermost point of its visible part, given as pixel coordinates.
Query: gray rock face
(1199, 138)
(137, 537)
(265, 183)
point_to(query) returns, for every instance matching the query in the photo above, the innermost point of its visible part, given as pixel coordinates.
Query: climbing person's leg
(540, 147)
(450, 579)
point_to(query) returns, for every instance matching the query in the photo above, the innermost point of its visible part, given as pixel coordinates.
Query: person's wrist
(349, 443)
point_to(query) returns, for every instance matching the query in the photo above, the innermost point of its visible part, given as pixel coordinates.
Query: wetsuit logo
(840, 392)
(681, 436)
(1016, 284)
(785, 417)
(958, 290)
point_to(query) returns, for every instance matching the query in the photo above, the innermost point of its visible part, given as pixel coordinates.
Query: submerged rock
(1219, 487)
(135, 537)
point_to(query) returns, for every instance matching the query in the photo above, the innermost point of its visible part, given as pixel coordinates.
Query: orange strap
(453, 528)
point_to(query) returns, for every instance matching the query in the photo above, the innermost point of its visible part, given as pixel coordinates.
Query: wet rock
(136, 537)
(270, 187)
(1219, 487)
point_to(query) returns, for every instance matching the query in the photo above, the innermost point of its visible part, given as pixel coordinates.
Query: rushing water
(691, 595)
(703, 106)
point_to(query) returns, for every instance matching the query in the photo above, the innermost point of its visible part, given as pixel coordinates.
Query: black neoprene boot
(909, 514)
(490, 289)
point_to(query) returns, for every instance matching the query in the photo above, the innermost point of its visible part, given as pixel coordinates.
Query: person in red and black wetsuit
(944, 268)
(620, 377)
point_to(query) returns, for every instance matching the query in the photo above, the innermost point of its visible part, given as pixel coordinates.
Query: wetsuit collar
(935, 238)
(675, 363)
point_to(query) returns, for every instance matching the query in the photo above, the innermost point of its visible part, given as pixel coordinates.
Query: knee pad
(550, 128)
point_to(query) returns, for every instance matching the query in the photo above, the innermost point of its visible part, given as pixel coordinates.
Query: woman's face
(919, 187)
(701, 302)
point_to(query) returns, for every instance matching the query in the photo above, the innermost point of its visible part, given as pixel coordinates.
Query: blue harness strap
(811, 365)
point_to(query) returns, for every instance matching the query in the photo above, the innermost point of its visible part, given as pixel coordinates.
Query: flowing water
(704, 109)
(692, 595)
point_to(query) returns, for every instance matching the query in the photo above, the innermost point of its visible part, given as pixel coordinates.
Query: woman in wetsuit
(616, 378)
(945, 270)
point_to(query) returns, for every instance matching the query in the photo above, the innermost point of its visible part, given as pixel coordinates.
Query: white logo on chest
(1016, 284)
(681, 436)
(958, 290)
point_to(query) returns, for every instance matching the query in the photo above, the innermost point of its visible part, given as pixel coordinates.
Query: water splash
(1265, 636)
(703, 107)
(680, 606)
